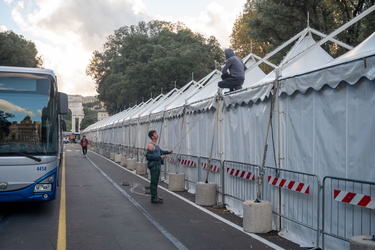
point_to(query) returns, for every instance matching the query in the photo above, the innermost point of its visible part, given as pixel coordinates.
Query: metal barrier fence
(348, 206)
(348, 209)
(240, 180)
(294, 195)
(195, 170)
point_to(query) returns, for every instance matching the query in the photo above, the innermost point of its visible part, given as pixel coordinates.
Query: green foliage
(15, 50)
(269, 23)
(87, 121)
(90, 116)
(91, 104)
(4, 124)
(140, 62)
(68, 124)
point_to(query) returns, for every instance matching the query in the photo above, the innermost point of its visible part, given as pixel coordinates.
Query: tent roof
(349, 67)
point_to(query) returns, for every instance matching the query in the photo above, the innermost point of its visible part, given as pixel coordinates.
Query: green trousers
(155, 173)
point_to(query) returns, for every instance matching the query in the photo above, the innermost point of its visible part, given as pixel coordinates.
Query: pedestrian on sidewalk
(84, 143)
(155, 156)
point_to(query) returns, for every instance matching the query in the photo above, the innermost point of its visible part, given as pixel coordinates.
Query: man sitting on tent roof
(233, 73)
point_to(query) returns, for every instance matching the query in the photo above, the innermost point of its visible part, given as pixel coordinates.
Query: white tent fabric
(350, 67)
(323, 125)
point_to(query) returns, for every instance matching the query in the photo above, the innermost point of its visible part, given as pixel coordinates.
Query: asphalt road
(101, 213)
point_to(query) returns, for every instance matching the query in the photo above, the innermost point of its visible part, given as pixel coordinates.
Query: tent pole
(263, 169)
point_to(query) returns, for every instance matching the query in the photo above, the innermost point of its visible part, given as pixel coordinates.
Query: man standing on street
(155, 157)
(84, 143)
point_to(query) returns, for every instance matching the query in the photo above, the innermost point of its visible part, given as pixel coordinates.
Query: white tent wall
(329, 133)
(322, 126)
(244, 129)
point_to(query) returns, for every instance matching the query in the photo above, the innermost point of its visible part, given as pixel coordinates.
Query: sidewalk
(199, 226)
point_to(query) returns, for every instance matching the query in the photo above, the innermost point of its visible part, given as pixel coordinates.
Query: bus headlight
(42, 188)
(45, 185)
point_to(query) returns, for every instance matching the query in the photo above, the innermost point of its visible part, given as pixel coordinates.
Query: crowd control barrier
(348, 209)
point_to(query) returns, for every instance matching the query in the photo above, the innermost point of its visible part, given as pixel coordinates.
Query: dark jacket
(153, 159)
(234, 64)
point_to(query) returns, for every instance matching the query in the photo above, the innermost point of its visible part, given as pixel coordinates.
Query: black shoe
(157, 200)
(237, 87)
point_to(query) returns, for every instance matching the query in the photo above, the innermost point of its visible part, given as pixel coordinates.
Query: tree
(15, 50)
(4, 124)
(269, 23)
(139, 62)
(91, 116)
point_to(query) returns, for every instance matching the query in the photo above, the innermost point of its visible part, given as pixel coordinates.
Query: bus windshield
(28, 114)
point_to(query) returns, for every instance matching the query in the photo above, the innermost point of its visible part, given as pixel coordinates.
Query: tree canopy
(269, 23)
(139, 62)
(15, 50)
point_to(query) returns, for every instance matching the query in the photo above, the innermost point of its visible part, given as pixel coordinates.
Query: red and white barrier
(291, 185)
(212, 168)
(170, 159)
(241, 173)
(188, 163)
(354, 198)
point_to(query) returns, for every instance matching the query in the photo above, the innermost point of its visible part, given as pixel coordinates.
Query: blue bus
(31, 124)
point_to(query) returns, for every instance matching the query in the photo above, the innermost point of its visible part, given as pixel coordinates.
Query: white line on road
(175, 241)
(264, 241)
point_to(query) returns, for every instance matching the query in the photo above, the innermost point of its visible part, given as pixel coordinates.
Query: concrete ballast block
(362, 242)
(118, 157)
(141, 168)
(123, 161)
(176, 182)
(130, 164)
(205, 194)
(257, 217)
(112, 156)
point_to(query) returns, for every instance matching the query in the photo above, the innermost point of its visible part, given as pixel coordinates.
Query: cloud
(11, 108)
(67, 32)
(214, 20)
(3, 28)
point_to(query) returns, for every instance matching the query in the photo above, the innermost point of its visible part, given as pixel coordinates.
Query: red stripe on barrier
(364, 201)
(348, 197)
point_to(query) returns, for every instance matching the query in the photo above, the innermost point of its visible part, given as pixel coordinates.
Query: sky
(67, 32)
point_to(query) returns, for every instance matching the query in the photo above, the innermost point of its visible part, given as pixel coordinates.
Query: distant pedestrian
(233, 73)
(84, 143)
(155, 156)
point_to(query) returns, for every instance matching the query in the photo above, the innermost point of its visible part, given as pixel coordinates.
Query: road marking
(61, 234)
(170, 237)
(259, 238)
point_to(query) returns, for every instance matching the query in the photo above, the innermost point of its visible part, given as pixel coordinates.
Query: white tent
(322, 126)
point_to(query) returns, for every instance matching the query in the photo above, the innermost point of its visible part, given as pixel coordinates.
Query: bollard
(257, 217)
(205, 194)
(176, 182)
